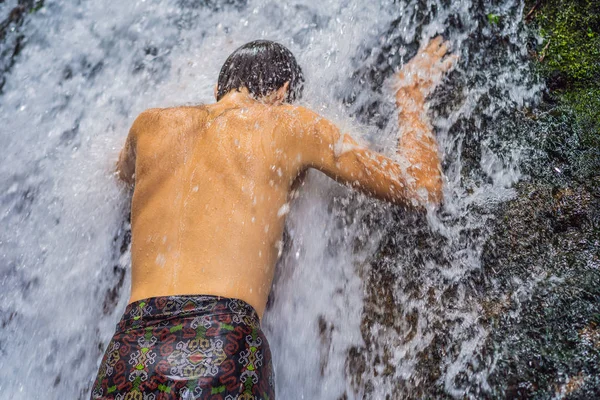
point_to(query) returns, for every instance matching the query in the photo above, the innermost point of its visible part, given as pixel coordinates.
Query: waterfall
(86, 69)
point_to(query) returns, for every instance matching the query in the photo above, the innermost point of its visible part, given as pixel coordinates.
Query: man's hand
(422, 74)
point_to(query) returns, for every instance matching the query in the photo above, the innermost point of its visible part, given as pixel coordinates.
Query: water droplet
(283, 210)
(160, 260)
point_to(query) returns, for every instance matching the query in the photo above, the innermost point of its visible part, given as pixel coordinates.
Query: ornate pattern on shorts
(187, 347)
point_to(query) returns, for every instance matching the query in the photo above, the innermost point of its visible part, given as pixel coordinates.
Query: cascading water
(348, 317)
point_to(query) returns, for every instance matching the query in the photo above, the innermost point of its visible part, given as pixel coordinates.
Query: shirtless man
(212, 186)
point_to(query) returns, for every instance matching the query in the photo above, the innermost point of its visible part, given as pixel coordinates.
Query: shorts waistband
(155, 310)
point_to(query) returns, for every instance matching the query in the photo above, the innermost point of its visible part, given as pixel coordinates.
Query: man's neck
(238, 98)
(243, 98)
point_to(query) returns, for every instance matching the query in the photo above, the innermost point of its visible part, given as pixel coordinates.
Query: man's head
(262, 67)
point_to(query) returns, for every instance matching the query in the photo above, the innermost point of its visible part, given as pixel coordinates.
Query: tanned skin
(213, 183)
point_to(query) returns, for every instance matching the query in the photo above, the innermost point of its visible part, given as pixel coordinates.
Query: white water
(88, 68)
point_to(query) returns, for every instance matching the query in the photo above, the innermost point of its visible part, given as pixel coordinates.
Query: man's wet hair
(262, 67)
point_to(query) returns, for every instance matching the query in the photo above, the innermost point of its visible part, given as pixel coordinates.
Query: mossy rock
(551, 348)
(571, 40)
(569, 59)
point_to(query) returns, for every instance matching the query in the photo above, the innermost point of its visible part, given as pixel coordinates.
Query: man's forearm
(418, 145)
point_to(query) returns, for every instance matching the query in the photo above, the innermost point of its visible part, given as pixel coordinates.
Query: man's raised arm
(416, 179)
(340, 157)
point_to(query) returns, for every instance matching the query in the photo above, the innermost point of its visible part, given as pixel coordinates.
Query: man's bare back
(213, 184)
(212, 187)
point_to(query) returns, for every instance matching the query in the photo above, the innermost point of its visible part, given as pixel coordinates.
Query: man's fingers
(449, 62)
(433, 45)
(443, 49)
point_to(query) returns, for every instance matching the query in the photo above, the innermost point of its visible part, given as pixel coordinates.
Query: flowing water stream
(87, 68)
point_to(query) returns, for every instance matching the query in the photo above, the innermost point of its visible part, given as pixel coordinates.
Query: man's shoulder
(154, 117)
(299, 114)
(293, 109)
(147, 118)
(170, 112)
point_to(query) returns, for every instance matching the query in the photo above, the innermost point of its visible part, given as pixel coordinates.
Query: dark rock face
(551, 230)
(215, 5)
(552, 345)
(536, 294)
(12, 38)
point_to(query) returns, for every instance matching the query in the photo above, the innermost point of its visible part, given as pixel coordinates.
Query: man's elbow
(436, 195)
(419, 194)
(433, 187)
(427, 192)
(126, 178)
(125, 175)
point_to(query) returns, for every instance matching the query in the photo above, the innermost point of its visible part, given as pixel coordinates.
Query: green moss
(569, 60)
(493, 19)
(585, 102)
(571, 40)
(579, 142)
(37, 6)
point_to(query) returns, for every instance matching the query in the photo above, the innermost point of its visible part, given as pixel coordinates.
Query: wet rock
(214, 5)
(67, 137)
(591, 334)
(12, 38)
(194, 8)
(536, 294)
(325, 332)
(112, 295)
(550, 234)
(121, 244)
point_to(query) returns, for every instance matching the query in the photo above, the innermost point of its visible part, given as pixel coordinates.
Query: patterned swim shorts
(187, 347)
